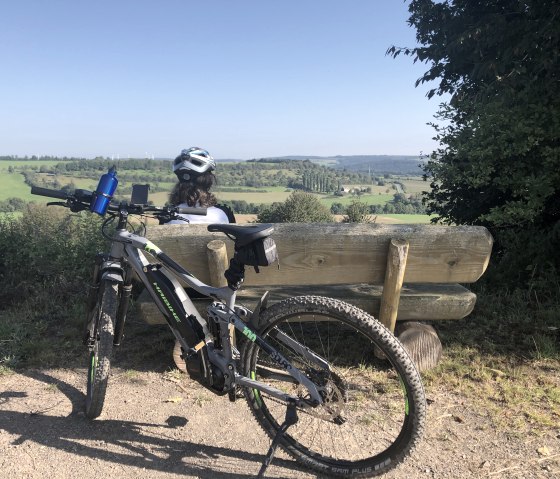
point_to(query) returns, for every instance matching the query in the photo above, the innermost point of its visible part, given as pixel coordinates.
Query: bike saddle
(243, 235)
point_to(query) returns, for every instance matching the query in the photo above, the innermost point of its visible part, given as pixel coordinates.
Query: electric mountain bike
(306, 365)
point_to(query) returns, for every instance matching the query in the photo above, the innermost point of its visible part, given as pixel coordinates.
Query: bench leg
(421, 342)
(394, 275)
(179, 361)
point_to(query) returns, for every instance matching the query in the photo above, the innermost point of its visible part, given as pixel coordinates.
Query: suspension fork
(124, 302)
(93, 293)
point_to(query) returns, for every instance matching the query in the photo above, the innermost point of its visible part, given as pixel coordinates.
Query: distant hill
(378, 164)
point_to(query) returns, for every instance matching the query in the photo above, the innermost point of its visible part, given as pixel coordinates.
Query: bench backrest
(336, 253)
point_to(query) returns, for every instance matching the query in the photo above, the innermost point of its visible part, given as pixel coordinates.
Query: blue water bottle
(104, 193)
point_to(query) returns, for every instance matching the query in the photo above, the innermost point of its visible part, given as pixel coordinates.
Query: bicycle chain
(331, 416)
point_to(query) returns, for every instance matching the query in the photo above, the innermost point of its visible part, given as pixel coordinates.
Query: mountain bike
(306, 365)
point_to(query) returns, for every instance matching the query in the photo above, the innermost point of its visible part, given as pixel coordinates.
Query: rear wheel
(374, 410)
(101, 347)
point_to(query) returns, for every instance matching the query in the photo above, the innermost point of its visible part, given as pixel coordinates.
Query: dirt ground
(160, 425)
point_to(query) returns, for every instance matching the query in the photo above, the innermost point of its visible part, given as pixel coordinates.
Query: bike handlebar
(82, 198)
(61, 195)
(188, 210)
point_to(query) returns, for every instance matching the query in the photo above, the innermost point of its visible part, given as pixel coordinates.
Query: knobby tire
(374, 410)
(100, 356)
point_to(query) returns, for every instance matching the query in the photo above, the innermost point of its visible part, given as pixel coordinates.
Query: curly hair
(194, 192)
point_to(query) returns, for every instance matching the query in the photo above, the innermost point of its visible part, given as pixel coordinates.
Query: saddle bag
(261, 252)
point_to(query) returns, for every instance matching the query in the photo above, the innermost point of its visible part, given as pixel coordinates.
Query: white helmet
(193, 162)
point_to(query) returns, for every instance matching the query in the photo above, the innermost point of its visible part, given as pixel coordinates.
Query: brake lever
(169, 217)
(77, 207)
(57, 203)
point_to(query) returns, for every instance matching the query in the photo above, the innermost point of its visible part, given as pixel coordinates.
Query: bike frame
(162, 282)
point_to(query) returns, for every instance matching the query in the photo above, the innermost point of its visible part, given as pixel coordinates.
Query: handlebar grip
(36, 190)
(191, 210)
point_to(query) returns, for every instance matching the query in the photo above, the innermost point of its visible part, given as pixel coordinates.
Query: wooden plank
(421, 302)
(396, 266)
(338, 253)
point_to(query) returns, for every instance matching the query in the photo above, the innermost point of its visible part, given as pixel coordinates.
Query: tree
(300, 207)
(498, 160)
(358, 212)
(338, 209)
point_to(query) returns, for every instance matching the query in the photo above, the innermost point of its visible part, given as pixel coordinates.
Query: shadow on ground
(142, 445)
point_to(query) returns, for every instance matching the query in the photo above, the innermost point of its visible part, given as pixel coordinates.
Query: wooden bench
(395, 272)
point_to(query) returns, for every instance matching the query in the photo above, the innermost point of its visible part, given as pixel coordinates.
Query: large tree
(498, 160)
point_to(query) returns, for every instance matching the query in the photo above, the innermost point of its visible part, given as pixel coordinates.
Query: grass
(12, 185)
(379, 199)
(415, 185)
(256, 197)
(505, 358)
(40, 333)
(5, 164)
(83, 183)
(404, 219)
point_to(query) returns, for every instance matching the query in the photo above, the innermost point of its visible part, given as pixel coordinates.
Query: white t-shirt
(213, 215)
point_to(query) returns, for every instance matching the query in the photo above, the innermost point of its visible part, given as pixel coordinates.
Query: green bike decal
(152, 248)
(406, 406)
(250, 334)
(166, 302)
(256, 392)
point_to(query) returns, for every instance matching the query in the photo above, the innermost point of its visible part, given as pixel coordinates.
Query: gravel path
(157, 426)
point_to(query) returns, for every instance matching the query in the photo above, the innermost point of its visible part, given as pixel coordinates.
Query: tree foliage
(498, 161)
(358, 212)
(300, 207)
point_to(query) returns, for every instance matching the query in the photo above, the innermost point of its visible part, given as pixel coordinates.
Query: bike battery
(187, 325)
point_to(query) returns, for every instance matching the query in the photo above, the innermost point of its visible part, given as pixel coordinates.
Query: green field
(12, 185)
(404, 219)
(257, 197)
(415, 185)
(5, 164)
(379, 199)
(83, 183)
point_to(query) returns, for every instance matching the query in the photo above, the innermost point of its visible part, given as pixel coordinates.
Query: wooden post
(217, 262)
(396, 265)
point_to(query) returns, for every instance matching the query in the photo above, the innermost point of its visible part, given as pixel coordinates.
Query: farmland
(12, 185)
(254, 183)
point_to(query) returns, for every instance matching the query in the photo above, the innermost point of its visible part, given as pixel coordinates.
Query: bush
(338, 209)
(46, 250)
(12, 204)
(300, 207)
(358, 212)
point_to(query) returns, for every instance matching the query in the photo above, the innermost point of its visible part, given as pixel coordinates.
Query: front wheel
(101, 347)
(374, 409)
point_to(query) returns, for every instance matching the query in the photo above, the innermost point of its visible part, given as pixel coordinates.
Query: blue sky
(243, 79)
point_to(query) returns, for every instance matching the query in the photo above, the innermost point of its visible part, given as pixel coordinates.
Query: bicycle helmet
(193, 162)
